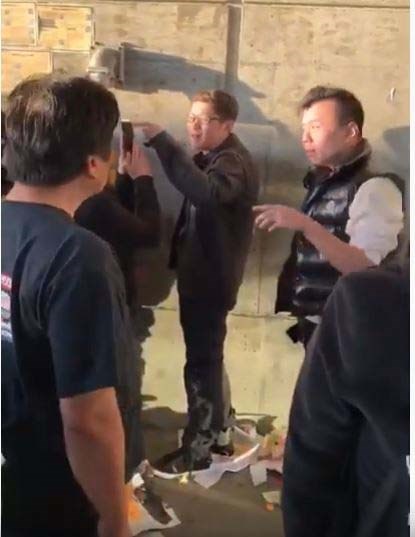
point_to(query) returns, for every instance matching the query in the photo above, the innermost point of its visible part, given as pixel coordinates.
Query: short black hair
(224, 104)
(349, 107)
(53, 124)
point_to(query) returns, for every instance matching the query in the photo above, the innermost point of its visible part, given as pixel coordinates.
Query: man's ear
(354, 130)
(94, 166)
(229, 124)
(97, 171)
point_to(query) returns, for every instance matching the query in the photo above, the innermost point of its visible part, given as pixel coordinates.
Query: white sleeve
(376, 218)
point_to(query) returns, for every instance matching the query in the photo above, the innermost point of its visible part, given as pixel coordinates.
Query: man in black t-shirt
(70, 396)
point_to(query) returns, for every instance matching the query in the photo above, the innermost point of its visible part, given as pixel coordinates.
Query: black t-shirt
(65, 331)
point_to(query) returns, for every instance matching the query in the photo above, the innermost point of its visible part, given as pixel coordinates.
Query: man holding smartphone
(209, 250)
(126, 214)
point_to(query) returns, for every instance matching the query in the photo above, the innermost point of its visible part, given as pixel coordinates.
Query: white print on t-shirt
(6, 327)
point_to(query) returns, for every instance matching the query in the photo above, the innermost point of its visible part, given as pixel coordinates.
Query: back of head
(349, 108)
(53, 124)
(224, 104)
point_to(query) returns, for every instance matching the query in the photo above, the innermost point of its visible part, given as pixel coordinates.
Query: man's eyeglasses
(202, 120)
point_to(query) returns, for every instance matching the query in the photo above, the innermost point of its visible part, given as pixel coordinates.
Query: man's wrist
(309, 226)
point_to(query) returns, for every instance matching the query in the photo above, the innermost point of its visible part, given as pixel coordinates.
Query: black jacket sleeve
(139, 197)
(223, 183)
(130, 215)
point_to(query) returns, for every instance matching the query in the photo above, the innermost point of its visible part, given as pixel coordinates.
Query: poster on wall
(65, 27)
(18, 64)
(18, 24)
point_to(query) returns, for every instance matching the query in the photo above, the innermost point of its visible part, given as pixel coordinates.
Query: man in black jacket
(345, 467)
(350, 218)
(126, 214)
(209, 250)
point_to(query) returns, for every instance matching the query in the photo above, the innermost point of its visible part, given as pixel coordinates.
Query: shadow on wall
(397, 140)
(277, 151)
(150, 72)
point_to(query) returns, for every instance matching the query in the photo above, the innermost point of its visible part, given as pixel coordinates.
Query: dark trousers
(206, 382)
(37, 501)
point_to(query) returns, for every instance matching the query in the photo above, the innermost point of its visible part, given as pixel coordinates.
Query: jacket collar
(203, 159)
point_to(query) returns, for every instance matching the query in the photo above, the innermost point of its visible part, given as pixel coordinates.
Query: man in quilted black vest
(351, 216)
(209, 250)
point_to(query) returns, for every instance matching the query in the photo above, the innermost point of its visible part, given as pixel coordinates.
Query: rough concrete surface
(268, 53)
(231, 508)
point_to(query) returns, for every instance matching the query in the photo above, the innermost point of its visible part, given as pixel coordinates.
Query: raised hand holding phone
(127, 136)
(135, 162)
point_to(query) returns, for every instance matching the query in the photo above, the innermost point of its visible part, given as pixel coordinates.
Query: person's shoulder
(373, 288)
(81, 253)
(70, 247)
(88, 244)
(383, 184)
(233, 154)
(97, 203)
(238, 147)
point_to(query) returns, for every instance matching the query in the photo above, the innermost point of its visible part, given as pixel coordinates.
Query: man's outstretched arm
(341, 255)
(222, 184)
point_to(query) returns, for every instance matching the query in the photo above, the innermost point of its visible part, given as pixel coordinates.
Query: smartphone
(127, 135)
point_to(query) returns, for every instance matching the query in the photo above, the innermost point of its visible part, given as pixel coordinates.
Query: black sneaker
(223, 445)
(180, 462)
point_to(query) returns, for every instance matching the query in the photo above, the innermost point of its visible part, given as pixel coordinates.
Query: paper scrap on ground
(270, 456)
(145, 522)
(208, 478)
(273, 444)
(258, 470)
(272, 496)
(140, 519)
(246, 454)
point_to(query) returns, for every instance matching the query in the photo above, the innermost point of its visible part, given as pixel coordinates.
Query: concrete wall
(268, 53)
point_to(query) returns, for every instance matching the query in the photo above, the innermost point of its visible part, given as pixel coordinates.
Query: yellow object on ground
(133, 506)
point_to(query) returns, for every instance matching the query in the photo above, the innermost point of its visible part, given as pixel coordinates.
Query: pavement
(231, 508)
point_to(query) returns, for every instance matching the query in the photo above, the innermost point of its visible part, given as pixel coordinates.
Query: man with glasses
(209, 250)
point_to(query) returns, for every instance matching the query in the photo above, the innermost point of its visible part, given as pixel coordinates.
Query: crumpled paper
(272, 496)
(139, 518)
(270, 456)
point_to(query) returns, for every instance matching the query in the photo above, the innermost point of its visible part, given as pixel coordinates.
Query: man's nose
(305, 137)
